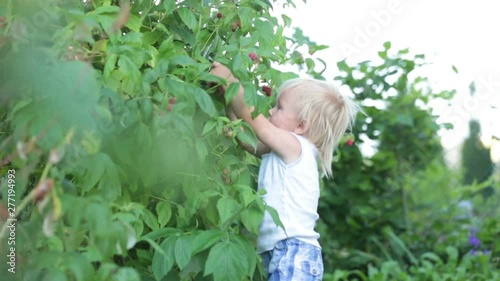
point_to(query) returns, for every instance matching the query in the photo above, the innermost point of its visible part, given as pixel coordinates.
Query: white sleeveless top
(293, 190)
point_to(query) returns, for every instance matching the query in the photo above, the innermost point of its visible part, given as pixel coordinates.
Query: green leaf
(286, 20)
(95, 171)
(310, 64)
(387, 45)
(107, 10)
(201, 149)
(250, 94)
(247, 135)
(150, 219)
(162, 264)
(248, 195)
(383, 54)
(134, 23)
(106, 269)
(183, 251)
(249, 249)
(265, 33)
(454, 68)
(110, 65)
(275, 217)
(448, 126)
(227, 262)
(237, 66)
(168, 6)
(79, 266)
(231, 92)
(155, 245)
(226, 206)
(187, 17)
(175, 87)
(164, 212)
(314, 48)
(107, 21)
(110, 183)
(55, 244)
(132, 37)
(251, 219)
(126, 274)
(404, 51)
(149, 38)
(205, 239)
(396, 241)
(246, 16)
(204, 101)
(342, 65)
(209, 126)
(182, 60)
(187, 36)
(432, 257)
(131, 72)
(161, 233)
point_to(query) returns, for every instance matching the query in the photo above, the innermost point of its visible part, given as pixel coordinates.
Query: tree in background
(476, 160)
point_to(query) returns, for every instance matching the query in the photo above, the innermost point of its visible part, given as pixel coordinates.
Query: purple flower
(472, 252)
(474, 241)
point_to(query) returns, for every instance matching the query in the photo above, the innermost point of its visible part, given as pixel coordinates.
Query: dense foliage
(127, 167)
(121, 165)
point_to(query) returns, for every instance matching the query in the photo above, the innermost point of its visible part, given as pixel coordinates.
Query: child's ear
(301, 128)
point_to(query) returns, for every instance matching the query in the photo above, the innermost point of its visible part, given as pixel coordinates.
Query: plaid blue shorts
(293, 260)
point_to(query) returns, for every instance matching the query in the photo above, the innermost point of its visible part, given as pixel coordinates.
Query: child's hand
(223, 72)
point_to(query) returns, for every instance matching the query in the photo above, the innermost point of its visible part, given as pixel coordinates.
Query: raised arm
(259, 150)
(280, 141)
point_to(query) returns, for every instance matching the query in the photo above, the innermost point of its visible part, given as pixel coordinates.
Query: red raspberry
(349, 142)
(267, 90)
(171, 102)
(219, 15)
(252, 56)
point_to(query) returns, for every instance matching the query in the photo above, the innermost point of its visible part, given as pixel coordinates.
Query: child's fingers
(215, 64)
(218, 70)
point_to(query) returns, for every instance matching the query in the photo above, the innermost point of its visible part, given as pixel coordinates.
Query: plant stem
(27, 199)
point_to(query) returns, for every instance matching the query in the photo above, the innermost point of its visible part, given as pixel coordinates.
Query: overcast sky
(464, 34)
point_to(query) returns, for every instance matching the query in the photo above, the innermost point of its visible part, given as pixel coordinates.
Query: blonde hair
(326, 112)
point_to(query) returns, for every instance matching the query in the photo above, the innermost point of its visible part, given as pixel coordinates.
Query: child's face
(284, 114)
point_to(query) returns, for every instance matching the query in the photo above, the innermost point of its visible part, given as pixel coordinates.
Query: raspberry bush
(126, 166)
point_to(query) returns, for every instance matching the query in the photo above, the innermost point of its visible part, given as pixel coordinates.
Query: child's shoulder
(306, 144)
